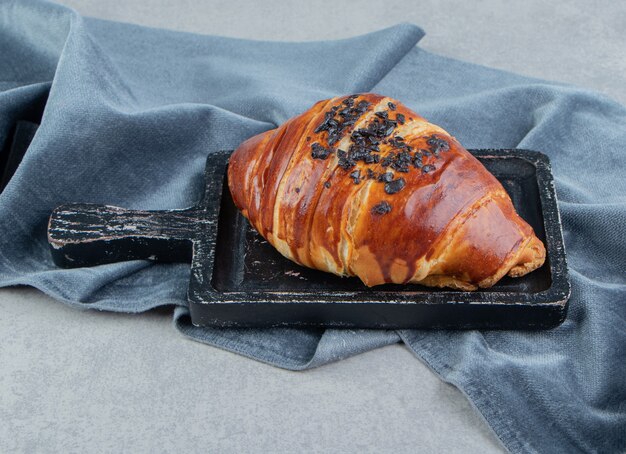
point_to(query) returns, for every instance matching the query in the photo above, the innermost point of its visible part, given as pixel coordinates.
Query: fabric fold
(125, 126)
(128, 115)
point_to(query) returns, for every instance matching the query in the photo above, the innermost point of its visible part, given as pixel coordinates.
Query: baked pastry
(362, 186)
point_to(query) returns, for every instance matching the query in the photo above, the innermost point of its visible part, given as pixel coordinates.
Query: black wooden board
(240, 280)
(10, 158)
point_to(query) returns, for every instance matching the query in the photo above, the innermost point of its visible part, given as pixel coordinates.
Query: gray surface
(579, 42)
(170, 394)
(166, 393)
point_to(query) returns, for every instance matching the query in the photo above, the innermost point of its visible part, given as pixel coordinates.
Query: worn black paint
(239, 280)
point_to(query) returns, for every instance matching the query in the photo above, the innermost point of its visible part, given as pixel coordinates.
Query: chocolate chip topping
(340, 117)
(319, 152)
(365, 143)
(417, 159)
(395, 186)
(356, 176)
(385, 177)
(437, 144)
(381, 208)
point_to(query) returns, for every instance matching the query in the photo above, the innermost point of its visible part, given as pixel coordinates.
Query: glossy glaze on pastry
(362, 186)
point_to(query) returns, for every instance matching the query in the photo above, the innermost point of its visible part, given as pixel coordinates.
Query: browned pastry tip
(362, 186)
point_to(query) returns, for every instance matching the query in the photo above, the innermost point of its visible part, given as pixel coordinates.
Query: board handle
(88, 234)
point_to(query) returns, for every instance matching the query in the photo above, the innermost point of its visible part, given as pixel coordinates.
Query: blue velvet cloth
(131, 113)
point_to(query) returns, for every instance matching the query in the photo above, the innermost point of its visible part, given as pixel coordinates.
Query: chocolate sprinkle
(381, 208)
(385, 177)
(345, 161)
(366, 142)
(401, 161)
(417, 159)
(319, 152)
(395, 186)
(337, 121)
(365, 146)
(437, 144)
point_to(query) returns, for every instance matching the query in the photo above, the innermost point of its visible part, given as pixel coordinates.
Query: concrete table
(82, 381)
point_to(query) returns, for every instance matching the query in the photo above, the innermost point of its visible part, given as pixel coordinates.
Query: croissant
(362, 186)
